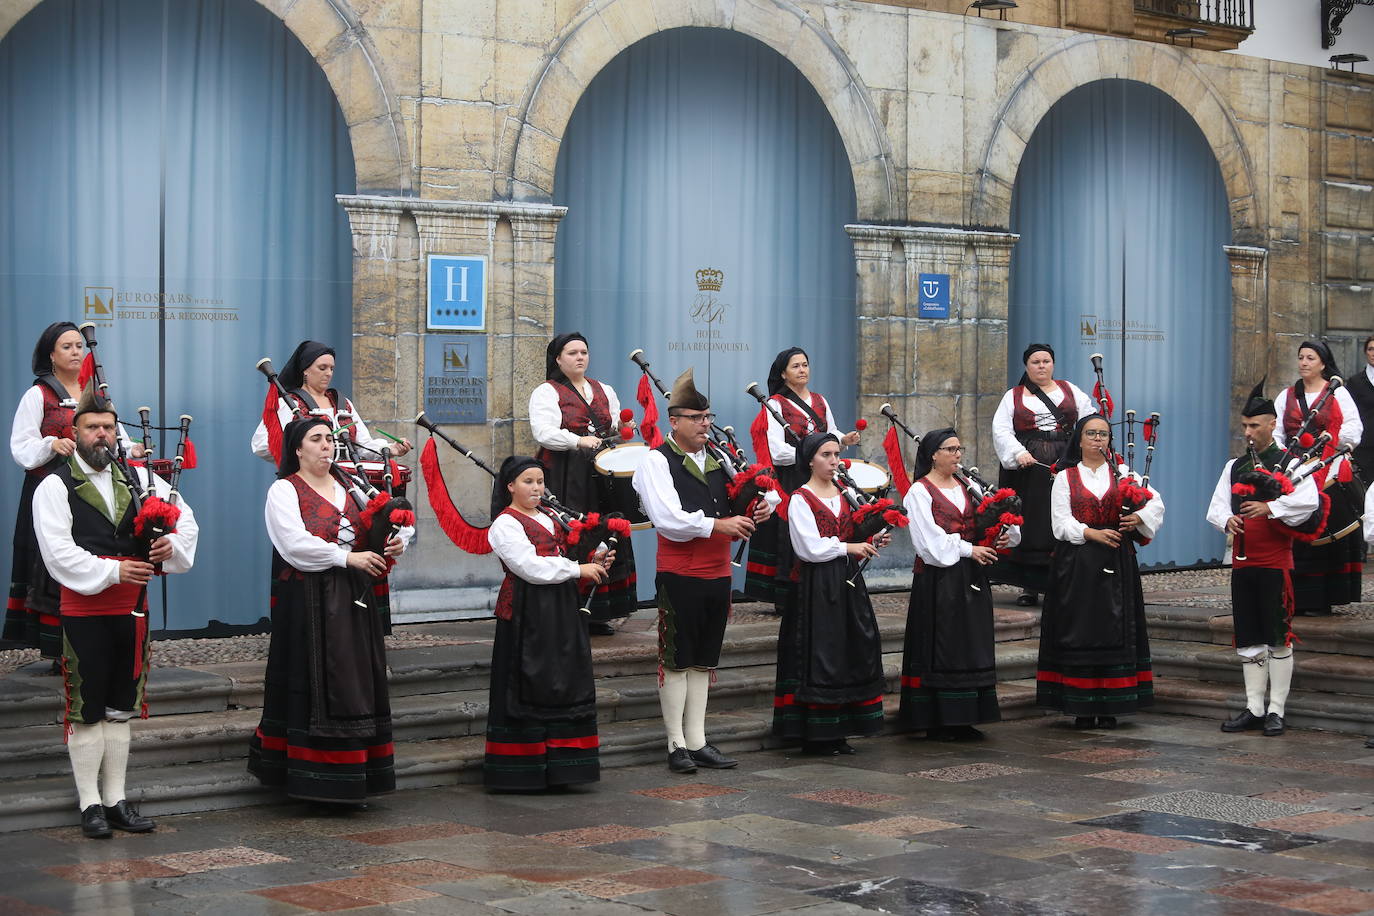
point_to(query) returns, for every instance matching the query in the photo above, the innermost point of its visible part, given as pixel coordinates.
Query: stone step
(1304, 709)
(1351, 675)
(180, 788)
(1339, 634)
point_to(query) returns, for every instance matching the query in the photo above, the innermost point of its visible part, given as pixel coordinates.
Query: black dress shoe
(820, 748)
(709, 756)
(1084, 722)
(123, 816)
(680, 761)
(964, 733)
(1106, 722)
(93, 823)
(1273, 725)
(1369, 742)
(600, 628)
(1243, 721)
(1028, 599)
(844, 748)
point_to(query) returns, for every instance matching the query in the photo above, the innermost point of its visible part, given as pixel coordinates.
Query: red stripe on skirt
(587, 742)
(761, 569)
(504, 749)
(1054, 677)
(909, 681)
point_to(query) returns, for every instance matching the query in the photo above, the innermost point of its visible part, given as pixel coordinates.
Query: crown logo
(708, 278)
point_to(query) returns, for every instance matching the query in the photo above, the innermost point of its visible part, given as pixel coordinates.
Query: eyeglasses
(1097, 434)
(697, 417)
(952, 449)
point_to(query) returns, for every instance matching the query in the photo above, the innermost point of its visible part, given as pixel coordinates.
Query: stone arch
(1086, 59)
(331, 31)
(593, 39)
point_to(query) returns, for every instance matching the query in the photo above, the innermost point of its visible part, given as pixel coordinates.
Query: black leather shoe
(123, 816)
(600, 628)
(1106, 721)
(820, 749)
(1369, 742)
(709, 756)
(93, 823)
(1084, 722)
(1273, 725)
(1243, 721)
(680, 761)
(845, 749)
(1027, 599)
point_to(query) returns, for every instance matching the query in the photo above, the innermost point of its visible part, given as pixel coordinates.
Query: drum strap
(792, 396)
(1057, 411)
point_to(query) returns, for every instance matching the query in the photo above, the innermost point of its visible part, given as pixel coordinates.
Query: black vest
(91, 527)
(710, 497)
(1362, 393)
(1269, 459)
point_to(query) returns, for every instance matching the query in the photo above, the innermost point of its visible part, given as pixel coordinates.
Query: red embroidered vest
(828, 525)
(798, 420)
(947, 515)
(1023, 418)
(56, 422)
(576, 417)
(1088, 509)
(320, 516)
(545, 545)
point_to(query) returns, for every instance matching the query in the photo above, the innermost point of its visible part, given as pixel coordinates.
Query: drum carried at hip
(615, 467)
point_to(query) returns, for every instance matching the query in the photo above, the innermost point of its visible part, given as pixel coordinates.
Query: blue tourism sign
(933, 296)
(457, 286)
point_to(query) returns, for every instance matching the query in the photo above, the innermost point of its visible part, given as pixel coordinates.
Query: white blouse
(546, 418)
(1352, 428)
(298, 547)
(512, 546)
(1009, 449)
(1068, 528)
(654, 483)
(28, 446)
(806, 537)
(371, 446)
(784, 452)
(935, 545)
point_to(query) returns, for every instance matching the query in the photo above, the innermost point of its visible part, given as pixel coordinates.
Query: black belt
(1040, 435)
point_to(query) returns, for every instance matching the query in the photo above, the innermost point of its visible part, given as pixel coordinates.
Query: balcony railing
(1238, 14)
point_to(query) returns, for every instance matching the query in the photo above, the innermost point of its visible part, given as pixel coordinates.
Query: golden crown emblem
(708, 278)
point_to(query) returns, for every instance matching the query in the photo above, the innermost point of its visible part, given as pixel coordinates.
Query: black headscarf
(42, 351)
(291, 439)
(551, 353)
(775, 379)
(925, 452)
(1031, 350)
(511, 469)
(293, 373)
(1257, 405)
(1074, 453)
(810, 446)
(1324, 353)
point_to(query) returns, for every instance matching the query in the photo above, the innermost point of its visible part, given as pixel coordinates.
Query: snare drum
(375, 472)
(162, 467)
(615, 467)
(868, 476)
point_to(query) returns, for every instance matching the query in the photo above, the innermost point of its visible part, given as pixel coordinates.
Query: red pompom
(861, 424)
(1306, 440)
(626, 415)
(403, 518)
(158, 514)
(620, 527)
(627, 432)
(845, 462)
(1243, 489)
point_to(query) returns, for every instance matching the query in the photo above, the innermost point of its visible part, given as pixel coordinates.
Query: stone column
(991, 274)
(1251, 346)
(883, 361)
(375, 223)
(534, 229)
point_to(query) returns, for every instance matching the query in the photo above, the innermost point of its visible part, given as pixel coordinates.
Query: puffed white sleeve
(285, 528)
(1085, 405)
(806, 538)
(613, 404)
(187, 535)
(778, 446)
(1369, 515)
(658, 497)
(1298, 506)
(72, 566)
(1281, 407)
(259, 442)
(29, 447)
(1009, 449)
(546, 420)
(1151, 515)
(830, 423)
(512, 546)
(1352, 427)
(1062, 522)
(933, 544)
(1219, 507)
(362, 435)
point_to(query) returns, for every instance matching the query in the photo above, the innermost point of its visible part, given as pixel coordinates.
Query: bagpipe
(746, 483)
(1133, 487)
(1343, 493)
(1302, 443)
(584, 532)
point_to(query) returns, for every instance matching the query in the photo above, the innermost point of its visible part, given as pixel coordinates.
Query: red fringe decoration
(1099, 393)
(1005, 520)
(156, 513)
(188, 459)
(1243, 489)
(896, 465)
(374, 505)
(466, 536)
(648, 427)
(1324, 513)
(402, 518)
(1135, 494)
(87, 370)
(272, 424)
(758, 435)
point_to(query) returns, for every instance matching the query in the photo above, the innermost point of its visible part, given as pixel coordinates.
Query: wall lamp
(1000, 6)
(1351, 59)
(1192, 33)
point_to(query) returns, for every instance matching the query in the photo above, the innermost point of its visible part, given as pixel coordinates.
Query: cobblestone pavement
(1164, 815)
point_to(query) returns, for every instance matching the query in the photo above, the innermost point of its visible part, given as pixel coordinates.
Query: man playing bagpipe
(1264, 512)
(101, 549)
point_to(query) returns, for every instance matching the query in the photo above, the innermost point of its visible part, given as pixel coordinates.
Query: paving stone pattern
(1038, 820)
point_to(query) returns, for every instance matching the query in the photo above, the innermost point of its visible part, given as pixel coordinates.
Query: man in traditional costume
(96, 549)
(683, 490)
(1263, 530)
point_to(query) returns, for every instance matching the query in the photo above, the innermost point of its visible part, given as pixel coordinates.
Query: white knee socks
(116, 761)
(1280, 677)
(86, 747)
(694, 716)
(1255, 677)
(672, 698)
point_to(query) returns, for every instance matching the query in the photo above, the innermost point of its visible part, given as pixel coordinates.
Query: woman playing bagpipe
(307, 375)
(572, 416)
(1030, 432)
(768, 576)
(541, 715)
(1094, 649)
(830, 655)
(949, 671)
(1324, 574)
(325, 733)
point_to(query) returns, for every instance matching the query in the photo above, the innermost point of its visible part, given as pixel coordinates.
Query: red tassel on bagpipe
(271, 423)
(156, 513)
(468, 537)
(896, 465)
(994, 513)
(1134, 494)
(648, 427)
(1344, 475)
(758, 437)
(1243, 489)
(87, 370)
(1099, 392)
(188, 458)
(402, 518)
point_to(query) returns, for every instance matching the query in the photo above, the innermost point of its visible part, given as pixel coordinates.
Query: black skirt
(768, 575)
(830, 658)
(31, 615)
(573, 478)
(1027, 565)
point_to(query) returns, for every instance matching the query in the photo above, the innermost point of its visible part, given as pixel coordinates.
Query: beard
(94, 455)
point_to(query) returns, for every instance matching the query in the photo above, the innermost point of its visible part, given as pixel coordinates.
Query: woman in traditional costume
(571, 417)
(325, 733)
(769, 573)
(949, 660)
(541, 714)
(1030, 431)
(830, 654)
(1094, 648)
(1330, 573)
